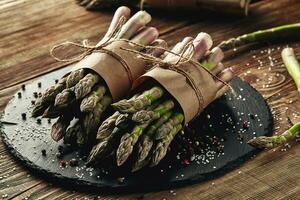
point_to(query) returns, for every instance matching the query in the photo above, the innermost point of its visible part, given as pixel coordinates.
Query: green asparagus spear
(52, 112)
(128, 140)
(47, 97)
(89, 102)
(123, 121)
(71, 134)
(74, 77)
(143, 116)
(104, 147)
(161, 148)
(166, 128)
(276, 140)
(139, 103)
(107, 127)
(273, 34)
(146, 143)
(292, 65)
(92, 119)
(60, 126)
(65, 98)
(85, 85)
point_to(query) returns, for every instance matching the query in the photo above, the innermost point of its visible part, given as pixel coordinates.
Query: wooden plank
(25, 41)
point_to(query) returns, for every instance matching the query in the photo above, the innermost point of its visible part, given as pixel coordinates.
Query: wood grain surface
(30, 28)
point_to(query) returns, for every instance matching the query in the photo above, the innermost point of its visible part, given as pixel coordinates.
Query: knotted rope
(182, 59)
(113, 37)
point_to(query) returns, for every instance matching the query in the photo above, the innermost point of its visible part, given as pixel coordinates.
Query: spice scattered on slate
(23, 116)
(35, 94)
(73, 162)
(44, 153)
(63, 163)
(19, 95)
(245, 125)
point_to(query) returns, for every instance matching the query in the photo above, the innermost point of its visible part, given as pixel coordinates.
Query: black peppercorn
(23, 116)
(35, 94)
(44, 152)
(63, 163)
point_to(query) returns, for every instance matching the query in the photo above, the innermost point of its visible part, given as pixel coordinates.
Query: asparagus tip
(261, 142)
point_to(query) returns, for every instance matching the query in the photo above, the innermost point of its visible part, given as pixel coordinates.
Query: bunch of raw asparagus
(82, 93)
(225, 6)
(150, 120)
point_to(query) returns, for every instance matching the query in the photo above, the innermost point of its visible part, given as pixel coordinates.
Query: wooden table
(30, 28)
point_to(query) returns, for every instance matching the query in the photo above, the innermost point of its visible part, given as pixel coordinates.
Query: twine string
(84, 45)
(97, 48)
(182, 58)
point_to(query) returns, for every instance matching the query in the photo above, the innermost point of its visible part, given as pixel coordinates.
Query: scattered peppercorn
(23, 87)
(245, 125)
(39, 84)
(56, 80)
(63, 163)
(23, 116)
(32, 102)
(19, 94)
(40, 94)
(185, 162)
(73, 162)
(38, 121)
(35, 94)
(44, 152)
(49, 121)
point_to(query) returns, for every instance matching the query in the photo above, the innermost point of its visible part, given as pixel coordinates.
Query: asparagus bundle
(83, 93)
(152, 118)
(293, 67)
(226, 6)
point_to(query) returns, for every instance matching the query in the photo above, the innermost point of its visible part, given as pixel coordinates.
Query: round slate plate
(213, 143)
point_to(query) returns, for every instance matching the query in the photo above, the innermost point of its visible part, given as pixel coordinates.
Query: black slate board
(221, 123)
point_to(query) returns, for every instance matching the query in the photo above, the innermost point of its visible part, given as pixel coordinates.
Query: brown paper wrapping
(179, 87)
(116, 66)
(230, 5)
